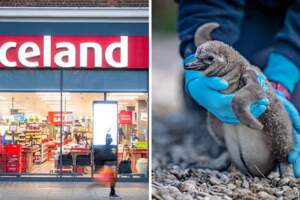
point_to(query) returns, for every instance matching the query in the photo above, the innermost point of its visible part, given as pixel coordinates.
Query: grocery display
(33, 146)
(38, 139)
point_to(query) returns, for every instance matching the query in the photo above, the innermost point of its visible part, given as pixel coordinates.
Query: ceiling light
(3, 98)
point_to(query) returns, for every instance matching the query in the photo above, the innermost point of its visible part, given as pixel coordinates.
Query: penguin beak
(196, 65)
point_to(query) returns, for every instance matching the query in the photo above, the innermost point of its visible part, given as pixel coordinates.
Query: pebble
(224, 178)
(265, 196)
(245, 184)
(285, 188)
(292, 194)
(279, 193)
(231, 186)
(284, 181)
(188, 186)
(214, 181)
(184, 197)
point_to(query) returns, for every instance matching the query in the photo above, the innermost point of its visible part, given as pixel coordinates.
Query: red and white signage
(74, 52)
(125, 117)
(55, 119)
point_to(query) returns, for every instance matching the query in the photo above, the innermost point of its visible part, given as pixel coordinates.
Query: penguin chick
(215, 58)
(271, 133)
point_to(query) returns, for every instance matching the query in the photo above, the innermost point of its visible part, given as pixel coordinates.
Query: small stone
(259, 186)
(273, 175)
(184, 197)
(214, 181)
(291, 194)
(265, 195)
(188, 186)
(238, 183)
(231, 186)
(224, 179)
(171, 177)
(284, 181)
(225, 197)
(285, 188)
(245, 184)
(173, 191)
(256, 179)
(279, 193)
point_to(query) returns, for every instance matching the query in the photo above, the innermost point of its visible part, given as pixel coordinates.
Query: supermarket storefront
(54, 70)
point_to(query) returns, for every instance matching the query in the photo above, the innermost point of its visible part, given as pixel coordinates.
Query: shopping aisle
(68, 191)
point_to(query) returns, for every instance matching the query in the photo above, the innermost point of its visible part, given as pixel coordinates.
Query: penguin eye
(210, 58)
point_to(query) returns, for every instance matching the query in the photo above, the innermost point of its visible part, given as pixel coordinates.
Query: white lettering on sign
(47, 51)
(84, 53)
(3, 54)
(61, 51)
(68, 53)
(123, 51)
(24, 54)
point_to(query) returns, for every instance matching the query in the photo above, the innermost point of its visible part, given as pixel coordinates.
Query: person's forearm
(194, 13)
(287, 44)
(287, 41)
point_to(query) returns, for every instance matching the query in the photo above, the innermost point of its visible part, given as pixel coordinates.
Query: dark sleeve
(194, 13)
(287, 41)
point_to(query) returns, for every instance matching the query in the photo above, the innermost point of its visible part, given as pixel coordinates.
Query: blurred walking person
(105, 162)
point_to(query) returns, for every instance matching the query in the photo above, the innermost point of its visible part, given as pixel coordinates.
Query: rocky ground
(173, 182)
(184, 155)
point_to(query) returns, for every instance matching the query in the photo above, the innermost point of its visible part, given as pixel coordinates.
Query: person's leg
(113, 185)
(112, 189)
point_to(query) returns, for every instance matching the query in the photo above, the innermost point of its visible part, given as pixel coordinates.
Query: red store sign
(125, 117)
(74, 52)
(55, 119)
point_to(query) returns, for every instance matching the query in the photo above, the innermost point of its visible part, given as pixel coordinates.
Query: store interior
(31, 139)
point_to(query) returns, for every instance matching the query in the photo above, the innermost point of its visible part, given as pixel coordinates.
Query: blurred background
(166, 60)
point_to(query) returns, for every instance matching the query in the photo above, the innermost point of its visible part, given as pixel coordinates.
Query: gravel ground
(177, 183)
(185, 157)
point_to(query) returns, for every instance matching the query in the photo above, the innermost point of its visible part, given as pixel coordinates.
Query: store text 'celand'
(74, 52)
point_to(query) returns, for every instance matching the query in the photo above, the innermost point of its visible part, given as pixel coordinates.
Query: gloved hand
(294, 155)
(205, 91)
(281, 69)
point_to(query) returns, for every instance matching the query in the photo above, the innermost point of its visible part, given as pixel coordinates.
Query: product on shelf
(13, 158)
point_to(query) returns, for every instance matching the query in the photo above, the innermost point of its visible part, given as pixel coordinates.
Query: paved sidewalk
(68, 191)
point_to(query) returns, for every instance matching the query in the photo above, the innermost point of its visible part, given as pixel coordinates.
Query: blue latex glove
(282, 70)
(205, 91)
(294, 155)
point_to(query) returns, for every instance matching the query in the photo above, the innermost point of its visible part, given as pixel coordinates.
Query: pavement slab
(68, 191)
